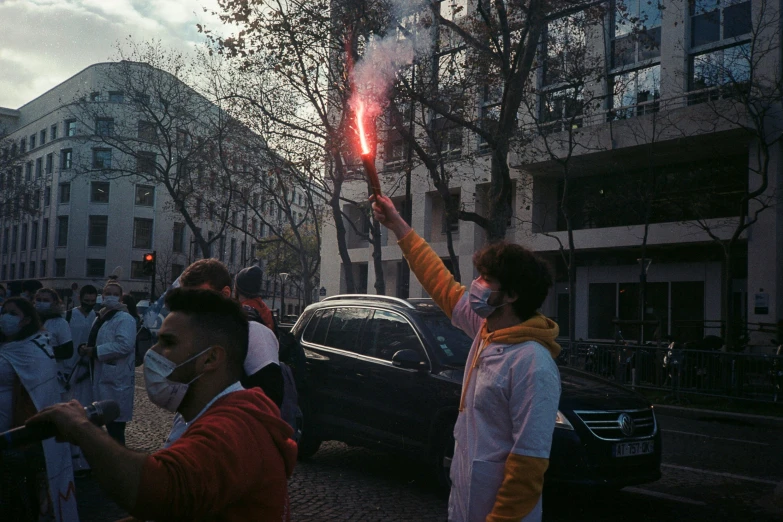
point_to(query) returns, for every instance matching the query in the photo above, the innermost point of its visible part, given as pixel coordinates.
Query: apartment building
(663, 150)
(72, 210)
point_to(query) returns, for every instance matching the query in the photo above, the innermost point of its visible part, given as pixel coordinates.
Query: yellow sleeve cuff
(521, 489)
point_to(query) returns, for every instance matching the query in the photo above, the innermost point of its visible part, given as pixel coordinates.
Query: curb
(697, 414)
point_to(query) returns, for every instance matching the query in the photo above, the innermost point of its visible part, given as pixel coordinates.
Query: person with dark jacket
(247, 290)
(229, 453)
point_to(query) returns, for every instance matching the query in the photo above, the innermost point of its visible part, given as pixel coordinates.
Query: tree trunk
(500, 193)
(342, 245)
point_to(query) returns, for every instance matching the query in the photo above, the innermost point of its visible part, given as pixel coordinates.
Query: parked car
(386, 373)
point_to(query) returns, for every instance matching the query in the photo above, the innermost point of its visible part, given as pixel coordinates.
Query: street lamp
(283, 279)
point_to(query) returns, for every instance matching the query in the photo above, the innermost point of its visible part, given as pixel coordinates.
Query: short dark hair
(130, 302)
(217, 319)
(28, 309)
(518, 270)
(31, 285)
(52, 292)
(87, 289)
(210, 271)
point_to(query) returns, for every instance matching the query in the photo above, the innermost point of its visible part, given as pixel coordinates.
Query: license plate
(633, 449)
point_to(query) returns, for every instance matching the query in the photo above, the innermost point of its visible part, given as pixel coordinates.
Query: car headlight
(562, 422)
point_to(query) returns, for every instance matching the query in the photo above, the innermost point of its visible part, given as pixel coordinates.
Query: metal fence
(756, 377)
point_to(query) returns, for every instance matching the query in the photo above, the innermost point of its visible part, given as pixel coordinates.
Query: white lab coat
(113, 375)
(510, 407)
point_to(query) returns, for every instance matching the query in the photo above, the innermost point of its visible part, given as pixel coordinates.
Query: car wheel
(443, 455)
(309, 443)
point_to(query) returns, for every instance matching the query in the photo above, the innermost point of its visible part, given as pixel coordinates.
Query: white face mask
(42, 306)
(162, 392)
(10, 324)
(479, 299)
(111, 300)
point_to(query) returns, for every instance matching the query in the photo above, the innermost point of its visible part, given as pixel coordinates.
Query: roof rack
(370, 297)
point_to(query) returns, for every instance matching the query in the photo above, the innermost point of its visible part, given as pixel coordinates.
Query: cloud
(45, 42)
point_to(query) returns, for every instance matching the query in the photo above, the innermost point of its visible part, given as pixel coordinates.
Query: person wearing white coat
(111, 349)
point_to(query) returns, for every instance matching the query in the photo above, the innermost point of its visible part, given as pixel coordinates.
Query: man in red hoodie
(229, 455)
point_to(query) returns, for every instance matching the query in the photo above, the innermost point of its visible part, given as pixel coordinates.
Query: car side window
(345, 328)
(317, 327)
(388, 333)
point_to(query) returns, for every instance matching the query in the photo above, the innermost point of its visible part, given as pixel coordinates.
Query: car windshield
(452, 343)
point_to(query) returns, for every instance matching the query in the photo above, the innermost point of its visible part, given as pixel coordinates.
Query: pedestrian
(262, 365)
(34, 475)
(110, 348)
(29, 288)
(232, 455)
(247, 290)
(50, 309)
(511, 385)
(78, 384)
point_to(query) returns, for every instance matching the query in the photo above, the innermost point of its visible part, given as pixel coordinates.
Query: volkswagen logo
(626, 424)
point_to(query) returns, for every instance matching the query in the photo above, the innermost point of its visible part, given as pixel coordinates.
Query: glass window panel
(736, 64)
(736, 20)
(345, 329)
(602, 308)
(623, 51)
(704, 6)
(624, 14)
(649, 13)
(705, 28)
(98, 230)
(648, 84)
(389, 333)
(565, 44)
(650, 43)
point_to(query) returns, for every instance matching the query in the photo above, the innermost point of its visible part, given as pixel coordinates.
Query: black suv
(383, 372)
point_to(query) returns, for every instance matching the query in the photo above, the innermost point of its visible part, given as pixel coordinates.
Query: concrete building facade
(666, 107)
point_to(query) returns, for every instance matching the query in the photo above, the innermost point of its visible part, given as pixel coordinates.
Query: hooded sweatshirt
(232, 464)
(510, 395)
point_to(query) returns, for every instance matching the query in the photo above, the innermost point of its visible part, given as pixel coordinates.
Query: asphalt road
(712, 471)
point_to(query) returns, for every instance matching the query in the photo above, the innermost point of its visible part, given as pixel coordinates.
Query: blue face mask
(479, 299)
(10, 325)
(111, 300)
(42, 306)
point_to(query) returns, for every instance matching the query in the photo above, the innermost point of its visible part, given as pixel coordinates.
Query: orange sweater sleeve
(431, 272)
(521, 489)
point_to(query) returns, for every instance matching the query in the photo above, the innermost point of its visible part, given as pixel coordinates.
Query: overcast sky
(44, 42)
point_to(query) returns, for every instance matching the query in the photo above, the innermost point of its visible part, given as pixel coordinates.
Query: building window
(564, 48)
(23, 145)
(716, 20)
(636, 93)
(116, 97)
(59, 268)
(53, 132)
(23, 241)
(14, 238)
(147, 131)
(450, 223)
(43, 268)
(49, 162)
(101, 158)
(47, 196)
(12, 274)
(137, 270)
(32, 268)
(65, 193)
(145, 195)
(70, 127)
(142, 233)
(99, 192)
(34, 235)
(98, 231)
(636, 32)
(96, 267)
(145, 163)
(21, 270)
(232, 255)
(32, 141)
(222, 248)
(42, 136)
(561, 109)
(28, 171)
(38, 168)
(178, 244)
(198, 207)
(62, 231)
(104, 126)
(717, 74)
(45, 233)
(66, 159)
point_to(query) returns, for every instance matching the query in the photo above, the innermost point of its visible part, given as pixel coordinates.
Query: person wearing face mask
(28, 383)
(511, 384)
(50, 309)
(111, 351)
(229, 453)
(78, 384)
(29, 288)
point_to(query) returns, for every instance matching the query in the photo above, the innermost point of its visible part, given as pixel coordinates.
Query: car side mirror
(409, 359)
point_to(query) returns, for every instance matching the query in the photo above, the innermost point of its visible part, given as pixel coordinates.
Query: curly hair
(519, 271)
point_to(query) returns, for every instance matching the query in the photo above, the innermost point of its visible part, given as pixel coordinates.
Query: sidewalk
(764, 421)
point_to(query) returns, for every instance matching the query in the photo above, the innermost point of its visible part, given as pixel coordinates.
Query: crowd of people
(216, 365)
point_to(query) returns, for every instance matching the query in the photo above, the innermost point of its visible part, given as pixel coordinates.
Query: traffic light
(148, 264)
